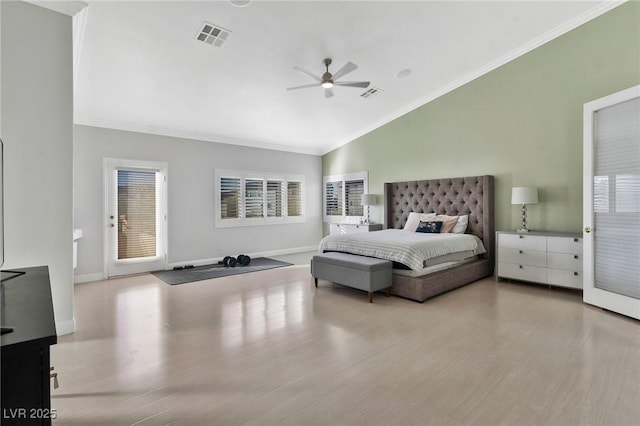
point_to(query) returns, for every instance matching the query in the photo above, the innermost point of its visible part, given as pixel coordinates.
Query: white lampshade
(524, 195)
(368, 199)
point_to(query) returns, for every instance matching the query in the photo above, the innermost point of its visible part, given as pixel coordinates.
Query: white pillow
(461, 226)
(414, 220)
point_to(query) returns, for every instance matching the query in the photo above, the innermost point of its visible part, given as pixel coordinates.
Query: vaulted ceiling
(141, 67)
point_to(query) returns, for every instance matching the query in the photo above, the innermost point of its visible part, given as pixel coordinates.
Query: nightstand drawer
(572, 262)
(359, 228)
(522, 241)
(565, 278)
(564, 245)
(522, 272)
(522, 257)
(350, 228)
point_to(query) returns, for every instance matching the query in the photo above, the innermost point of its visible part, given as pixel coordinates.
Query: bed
(472, 196)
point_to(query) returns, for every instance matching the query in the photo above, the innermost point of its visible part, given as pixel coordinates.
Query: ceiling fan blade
(349, 67)
(309, 73)
(304, 87)
(363, 84)
(328, 93)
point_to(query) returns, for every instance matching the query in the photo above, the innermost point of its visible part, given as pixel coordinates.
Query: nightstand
(349, 228)
(553, 258)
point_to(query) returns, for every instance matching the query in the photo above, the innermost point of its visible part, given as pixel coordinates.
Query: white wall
(37, 117)
(192, 233)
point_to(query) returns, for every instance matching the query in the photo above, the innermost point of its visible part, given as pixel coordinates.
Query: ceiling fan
(328, 80)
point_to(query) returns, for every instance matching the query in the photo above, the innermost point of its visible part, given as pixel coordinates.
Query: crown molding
(70, 8)
(198, 136)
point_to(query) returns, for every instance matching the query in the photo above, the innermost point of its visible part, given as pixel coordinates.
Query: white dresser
(552, 258)
(348, 228)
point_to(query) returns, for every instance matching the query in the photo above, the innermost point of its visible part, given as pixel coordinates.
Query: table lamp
(368, 200)
(524, 195)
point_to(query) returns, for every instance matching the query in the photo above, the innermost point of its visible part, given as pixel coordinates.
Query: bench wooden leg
(316, 281)
(370, 297)
(388, 291)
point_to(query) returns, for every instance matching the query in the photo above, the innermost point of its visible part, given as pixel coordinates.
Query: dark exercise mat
(206, 272)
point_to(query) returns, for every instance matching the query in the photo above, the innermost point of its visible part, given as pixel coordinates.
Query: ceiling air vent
(212, 34)
(370, 92)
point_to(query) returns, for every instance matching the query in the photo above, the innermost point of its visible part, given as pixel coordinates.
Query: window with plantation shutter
(230, 198)
(343, 197)
(294, 199)
(333, 198)
(275, 202)
(254, 198)
(136, 214)
(353, 197)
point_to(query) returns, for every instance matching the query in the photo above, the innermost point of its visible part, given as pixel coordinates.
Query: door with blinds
(612, 202)
(136, 221)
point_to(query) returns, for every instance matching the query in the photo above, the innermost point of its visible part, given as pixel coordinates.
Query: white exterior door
(612, 202)
(135, 216)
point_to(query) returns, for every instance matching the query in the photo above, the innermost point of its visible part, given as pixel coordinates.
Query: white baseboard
(285, 251)
(85, 278)
(215, 260)
(65, 327)
(99, 276)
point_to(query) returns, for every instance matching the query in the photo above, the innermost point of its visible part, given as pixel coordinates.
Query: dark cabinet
(26, 306)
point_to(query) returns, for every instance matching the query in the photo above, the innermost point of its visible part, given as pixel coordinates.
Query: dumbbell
(228, 261)
(244, 260)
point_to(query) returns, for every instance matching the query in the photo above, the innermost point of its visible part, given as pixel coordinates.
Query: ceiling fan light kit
(328, 80)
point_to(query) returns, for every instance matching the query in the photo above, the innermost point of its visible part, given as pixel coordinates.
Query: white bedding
(412, 249)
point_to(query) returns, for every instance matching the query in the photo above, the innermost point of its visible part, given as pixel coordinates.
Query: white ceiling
(139, 66)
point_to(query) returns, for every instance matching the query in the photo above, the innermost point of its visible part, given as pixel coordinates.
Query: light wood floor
(268, 348)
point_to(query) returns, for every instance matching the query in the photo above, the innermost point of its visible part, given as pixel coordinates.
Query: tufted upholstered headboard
(471, 195)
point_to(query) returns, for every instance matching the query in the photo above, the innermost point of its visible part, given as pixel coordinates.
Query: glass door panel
(611, 213)
(616, 201)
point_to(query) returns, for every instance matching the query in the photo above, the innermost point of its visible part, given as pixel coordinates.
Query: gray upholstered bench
(360, 272)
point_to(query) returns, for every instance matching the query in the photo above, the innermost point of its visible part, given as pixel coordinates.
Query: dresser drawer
(521, 241)
(522, 272)
(564, 245)
(571, 262)
(565, 278)
(522, 257)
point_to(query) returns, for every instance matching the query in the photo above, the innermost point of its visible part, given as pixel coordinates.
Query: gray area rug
(206, 272)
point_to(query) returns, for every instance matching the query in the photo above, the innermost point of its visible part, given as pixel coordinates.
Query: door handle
(111, 225)
(587, 229)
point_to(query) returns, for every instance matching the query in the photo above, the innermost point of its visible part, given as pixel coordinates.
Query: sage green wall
(521, 123)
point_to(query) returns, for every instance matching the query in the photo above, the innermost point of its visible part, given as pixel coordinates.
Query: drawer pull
(520, 251)
(521, 236)
(575, 274)
(575, 240)
(575, 256)
(520, 266)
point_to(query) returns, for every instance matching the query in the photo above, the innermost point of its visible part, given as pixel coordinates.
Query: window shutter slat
(254, 198)
(230, 198)
(294, 198)
(275, 205)
(333, 200)
(353, 197)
